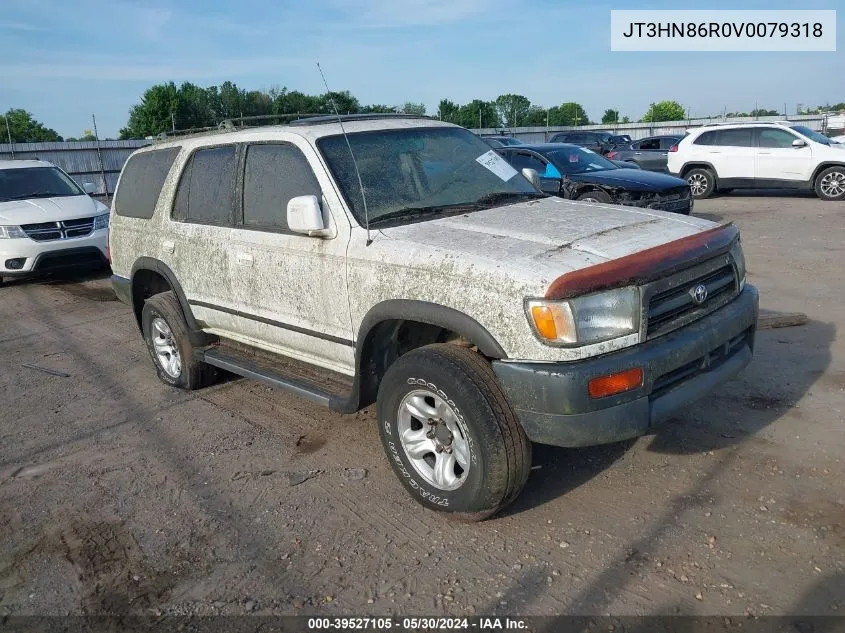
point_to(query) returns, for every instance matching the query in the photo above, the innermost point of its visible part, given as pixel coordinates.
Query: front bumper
(41, 257)
(553, 404)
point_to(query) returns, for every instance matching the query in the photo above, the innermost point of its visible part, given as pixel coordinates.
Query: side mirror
(532, 176)
(799, 143)
(89, 187)
(305, 216)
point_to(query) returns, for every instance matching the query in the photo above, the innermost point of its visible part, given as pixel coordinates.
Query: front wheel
(702, 183)
(450, 434)
(830, 183)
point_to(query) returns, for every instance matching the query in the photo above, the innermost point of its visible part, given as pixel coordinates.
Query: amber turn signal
(544, 321)
(615, 383)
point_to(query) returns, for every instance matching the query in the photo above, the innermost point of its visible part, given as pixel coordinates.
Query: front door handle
(244, 259)
(764, 153)
(637, 153)
(168, 246)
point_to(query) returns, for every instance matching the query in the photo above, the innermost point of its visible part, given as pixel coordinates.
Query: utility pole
(172, 121)
(479, 117)
(100, 158)
(9, 134)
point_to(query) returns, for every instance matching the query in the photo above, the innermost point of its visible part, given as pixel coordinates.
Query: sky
(66, 60)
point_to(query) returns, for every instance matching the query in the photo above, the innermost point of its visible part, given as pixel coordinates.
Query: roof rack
(369, 116)
(300, 118)
(715, 123)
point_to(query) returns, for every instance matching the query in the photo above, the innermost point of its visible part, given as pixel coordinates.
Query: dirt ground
(120, 495)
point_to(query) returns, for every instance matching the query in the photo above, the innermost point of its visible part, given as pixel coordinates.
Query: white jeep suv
(761, 155)
(401, 260)
(47, 221)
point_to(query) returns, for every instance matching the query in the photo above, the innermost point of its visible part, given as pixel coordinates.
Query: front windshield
(811, 134)
(420, 172)
(577, 160)
(35, 182)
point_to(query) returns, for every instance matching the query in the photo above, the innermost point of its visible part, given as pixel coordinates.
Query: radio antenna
(351, 153)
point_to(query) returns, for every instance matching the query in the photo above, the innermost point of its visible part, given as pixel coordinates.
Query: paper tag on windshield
(498, 165)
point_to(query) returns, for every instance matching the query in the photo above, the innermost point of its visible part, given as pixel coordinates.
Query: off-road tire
(194, 374)
(706, 178)
(830, 172)
(597, 196)
(500, 452)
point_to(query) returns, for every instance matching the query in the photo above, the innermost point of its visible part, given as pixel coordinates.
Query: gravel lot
(120, 495)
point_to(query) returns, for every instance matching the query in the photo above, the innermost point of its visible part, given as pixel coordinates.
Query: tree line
(167, 107)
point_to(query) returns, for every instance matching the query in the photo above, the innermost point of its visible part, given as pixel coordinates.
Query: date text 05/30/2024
(417, 624)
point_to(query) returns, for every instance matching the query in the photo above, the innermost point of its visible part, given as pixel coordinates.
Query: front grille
(677, 305)
(708, 362)
(66, 229)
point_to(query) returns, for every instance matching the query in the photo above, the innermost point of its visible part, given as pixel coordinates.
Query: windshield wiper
(36, 194)
(415, 212)
(505, 196)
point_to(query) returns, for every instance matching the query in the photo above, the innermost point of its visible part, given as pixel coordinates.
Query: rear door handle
(766, 153)
(167, 246)
(637, 153)
(244, 259)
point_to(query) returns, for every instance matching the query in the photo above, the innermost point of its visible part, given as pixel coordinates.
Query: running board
(282, 375)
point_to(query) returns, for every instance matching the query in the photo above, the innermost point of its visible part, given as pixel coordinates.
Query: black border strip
(286, 326)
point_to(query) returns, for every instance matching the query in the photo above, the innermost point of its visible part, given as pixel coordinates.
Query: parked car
(576, 173)
(759, 155)
(599, 142)
(620, 139)
(47, 221)
(648, 153)
(501, 141)
(477, 313)
(838, 139)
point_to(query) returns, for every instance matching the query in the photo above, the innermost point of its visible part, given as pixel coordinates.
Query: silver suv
(400, 260)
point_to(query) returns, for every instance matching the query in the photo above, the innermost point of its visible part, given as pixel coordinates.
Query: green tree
(665, 111)
(535, 117)
(155, 113)
(625, 119)
(295, 102)
(478, 113)
(413, 108)
(568, 114)
(764, 112)
(610, 116)
(343, 101)
(377, 107)
(25, 129)
(448, 110)
(512, 109)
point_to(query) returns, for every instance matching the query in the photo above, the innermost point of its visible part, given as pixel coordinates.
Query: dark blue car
(577, 173)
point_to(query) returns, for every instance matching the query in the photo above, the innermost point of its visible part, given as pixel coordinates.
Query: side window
(522, 160)
(141, 182)
(274, 174)
(740, 137)
(773, 137)
(708, 138)
(206, 190)
(667, 143)
(650, 143)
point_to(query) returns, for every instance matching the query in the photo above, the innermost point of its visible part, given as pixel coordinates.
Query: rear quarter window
(141, 181)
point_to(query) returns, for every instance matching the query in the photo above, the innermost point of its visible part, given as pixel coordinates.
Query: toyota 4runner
(399, 260)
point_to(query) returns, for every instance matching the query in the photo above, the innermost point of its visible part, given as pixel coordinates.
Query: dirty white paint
(483, 264)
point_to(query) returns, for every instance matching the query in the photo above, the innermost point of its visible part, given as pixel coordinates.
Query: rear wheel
(702, 182)
(168, 342)
(830, 183)
(450, 434)
(595, 196)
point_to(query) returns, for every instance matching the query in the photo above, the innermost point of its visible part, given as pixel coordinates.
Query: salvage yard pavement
(119, 495)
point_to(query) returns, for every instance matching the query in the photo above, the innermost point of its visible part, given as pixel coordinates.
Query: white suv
(47, 221)
(400, 260)
(759, 155)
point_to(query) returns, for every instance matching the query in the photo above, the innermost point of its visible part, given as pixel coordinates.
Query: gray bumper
(554, 407)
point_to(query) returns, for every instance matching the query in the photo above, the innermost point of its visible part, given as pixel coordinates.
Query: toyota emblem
(699, 294)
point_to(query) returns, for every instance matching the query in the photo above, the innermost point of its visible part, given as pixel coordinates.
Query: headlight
(739, 260)
(11, 232)
(101, 222)
(589, 319)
